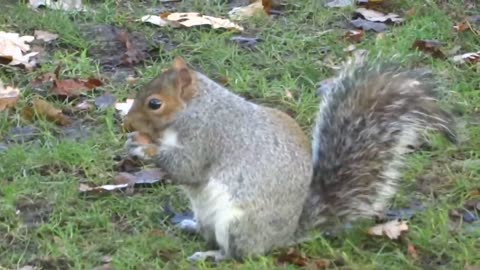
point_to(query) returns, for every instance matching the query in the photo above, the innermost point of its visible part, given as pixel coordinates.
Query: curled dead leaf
(191, 19)
(44, 109)
(83, 188)
(368, 25)
(431, 47)
(412, 251)
(292, 257)
(8, 96)
(255, 8)
(14, 49)
(355, 35)
(461, 27)
(392, 229)
(470, 58)
(44, 35)
(376, 16)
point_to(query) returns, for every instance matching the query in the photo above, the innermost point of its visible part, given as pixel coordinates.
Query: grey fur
(248, 174)
(364, 127)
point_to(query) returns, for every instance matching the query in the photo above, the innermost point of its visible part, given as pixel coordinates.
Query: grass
(45, 222)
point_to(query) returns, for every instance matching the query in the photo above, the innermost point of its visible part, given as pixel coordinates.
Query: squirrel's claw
(134, 149)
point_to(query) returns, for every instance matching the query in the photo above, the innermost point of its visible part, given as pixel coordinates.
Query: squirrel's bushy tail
(365, 125)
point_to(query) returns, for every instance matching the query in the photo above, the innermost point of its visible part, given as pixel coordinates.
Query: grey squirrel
(254, 180)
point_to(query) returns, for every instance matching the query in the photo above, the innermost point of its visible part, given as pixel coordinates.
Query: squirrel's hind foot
(216, 255)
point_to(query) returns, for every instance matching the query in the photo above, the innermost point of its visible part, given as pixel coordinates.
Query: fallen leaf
(354, 35)
(44, 109)
(246, 42)
(22, 134)
(475, 19)
(83, 188)
(8, 96)
(153, 19)
(376, 16)
(83, 106)
(58, 4)
(431, 47)
(124, 107)
(470, 58)
(412, 251)
(241, 13)
(461, 27)
(368, 25)
(391, 229)
(44, 35)
(191, 19)
(472, 267)
(292, 257)
(339, 3)
(350, 48)
(14, 49)
(74, 87)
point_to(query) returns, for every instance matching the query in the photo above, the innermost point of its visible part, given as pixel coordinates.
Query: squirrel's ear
(184, 77)
(179, 63)
(186, 83)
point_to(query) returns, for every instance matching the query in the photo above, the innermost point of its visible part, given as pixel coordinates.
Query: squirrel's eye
(154, 104)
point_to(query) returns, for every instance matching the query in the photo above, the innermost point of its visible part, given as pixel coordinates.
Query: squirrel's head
(158, 103)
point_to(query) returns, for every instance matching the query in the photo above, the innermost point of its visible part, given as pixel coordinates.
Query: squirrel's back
(371, 117)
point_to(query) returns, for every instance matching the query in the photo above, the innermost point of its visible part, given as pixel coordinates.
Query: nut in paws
(139, 145)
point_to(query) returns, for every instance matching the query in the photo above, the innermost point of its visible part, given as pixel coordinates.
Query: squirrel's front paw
(138, 146)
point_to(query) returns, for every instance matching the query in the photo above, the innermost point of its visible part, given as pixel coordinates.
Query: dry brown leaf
(472, 267)
(293, 257)
(376, 16)
(44, 109)
(191, 19)
(14, 49)
(471, 58)
(392, 229)
(8, 96)
(412, 251)
(431, 47)
(461, 27)
(72, 87)
(124, 107)
(44, 35)
(355, 35)
(255, 8)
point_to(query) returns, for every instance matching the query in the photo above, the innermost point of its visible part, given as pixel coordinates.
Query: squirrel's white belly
(214, 209)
